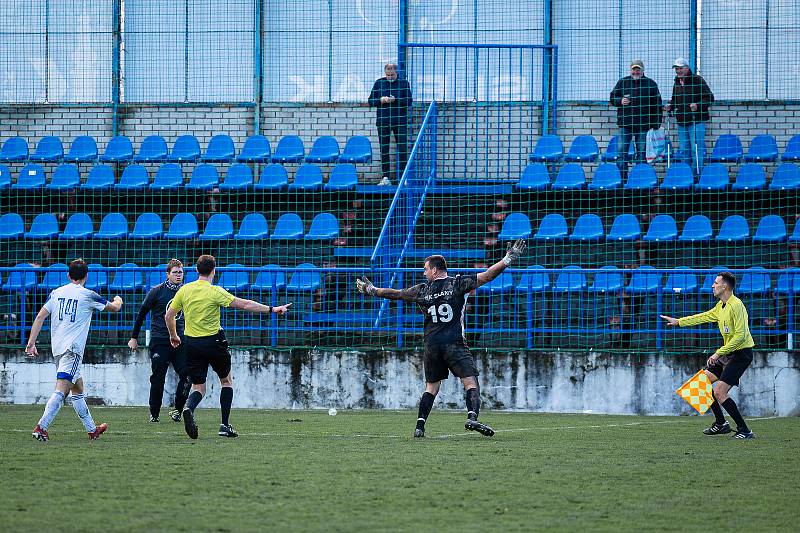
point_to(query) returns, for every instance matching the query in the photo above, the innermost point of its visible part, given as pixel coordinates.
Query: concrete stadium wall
(595, 382)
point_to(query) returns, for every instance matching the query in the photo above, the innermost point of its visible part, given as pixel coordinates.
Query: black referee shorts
(204, 351)
(729, 368)
(451, 356)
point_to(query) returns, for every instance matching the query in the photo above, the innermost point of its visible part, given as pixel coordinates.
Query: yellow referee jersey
(200, 302)
(731, 317)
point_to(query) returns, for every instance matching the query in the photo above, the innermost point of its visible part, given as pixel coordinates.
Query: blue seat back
(343, 177)
(290, 150)
(234, 280)
(79, 226)
(11, 226)
(609, 279)
(304, 281)
(48, 149)
(644, 279)
(714, 177)
(500, 285)
(153, 148)
(357, 150)
(219, 226)
(118, 149)
(681, 282)
(289, 226)
(220, 149)
(795, 237)
(570, 279)
(324, 226)
(696, 228)
(14, 149)
(751, 177)
(762, 148)
(679, 177)
(534, 279)
(65, 177)
(269, 277)
(662, 228)
(307, 178)
(552, 227)
(183, 226)
(548, 149)
(44, 226)
(147, 225)
(204, 177)
(100, 177)
(168, 176)
(55, 276)
(708, 281)
(30, 177)
(588, 227)
(727, 149)
(734, 228)
(185, 148)
(642, 176)
(97, 279)
(786, 177)
(515, 226)
(792, 151)
(5, 177)
(253, 227)
(583, 148)
(156, 276)
(625, 228)
(606, 177)
(19, 280)
(570, 176)
(113, 226)
(134, 177)
(771, 228)
(324, 150)
(239, 176)
(789, 281)
(273, 177)
(127, 280)
(535, 177)
(256, 149)
(755, 281)
(82, 150)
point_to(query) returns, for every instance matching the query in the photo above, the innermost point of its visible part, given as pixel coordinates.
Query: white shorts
(69, 366)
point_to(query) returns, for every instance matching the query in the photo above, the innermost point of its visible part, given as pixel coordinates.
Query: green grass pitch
(362, 471)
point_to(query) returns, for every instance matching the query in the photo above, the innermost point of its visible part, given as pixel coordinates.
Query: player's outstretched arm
(114, 305)
(30, 348)
(670, 321)
(513, 253)
(365, 286)
(252, 306)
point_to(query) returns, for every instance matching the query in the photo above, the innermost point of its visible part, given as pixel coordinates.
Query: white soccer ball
(332, 411)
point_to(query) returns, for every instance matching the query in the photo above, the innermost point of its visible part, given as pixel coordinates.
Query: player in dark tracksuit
(162, 354)
(443, 301)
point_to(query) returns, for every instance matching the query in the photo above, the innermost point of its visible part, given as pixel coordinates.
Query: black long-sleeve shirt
(396, 113)
(157, 301)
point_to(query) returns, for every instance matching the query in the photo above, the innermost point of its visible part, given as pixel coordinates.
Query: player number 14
(443, 313)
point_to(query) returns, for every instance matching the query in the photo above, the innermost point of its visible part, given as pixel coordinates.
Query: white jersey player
(70, 308)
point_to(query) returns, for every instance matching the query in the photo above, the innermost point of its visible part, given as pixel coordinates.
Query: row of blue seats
(589, 228)
(254, 226)
(679, 177)
(169, 176)
(220, 149)
(727, 149)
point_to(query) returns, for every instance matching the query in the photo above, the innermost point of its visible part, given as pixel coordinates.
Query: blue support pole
(258, 91)
(693, 34)
(116, 77)
(546, 66)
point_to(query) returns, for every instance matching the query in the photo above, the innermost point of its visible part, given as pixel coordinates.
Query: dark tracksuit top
(157, 301)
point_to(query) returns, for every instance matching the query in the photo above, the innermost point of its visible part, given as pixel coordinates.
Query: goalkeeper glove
(514, 251)
(365, 286)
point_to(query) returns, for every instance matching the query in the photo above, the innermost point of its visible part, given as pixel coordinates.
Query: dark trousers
(162, 354)
(639, 140)
(401, 140)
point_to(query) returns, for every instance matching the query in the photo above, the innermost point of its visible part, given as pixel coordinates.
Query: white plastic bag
(656, 145)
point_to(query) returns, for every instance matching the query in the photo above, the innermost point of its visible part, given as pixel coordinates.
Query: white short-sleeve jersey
(71, 307)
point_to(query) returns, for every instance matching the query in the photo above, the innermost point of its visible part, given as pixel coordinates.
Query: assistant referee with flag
(728, 363)
(205, 341)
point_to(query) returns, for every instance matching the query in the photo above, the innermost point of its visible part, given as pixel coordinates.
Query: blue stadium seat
(288, 227)
(273, 178)
(608, 280)
(147, 226)
(644, 280)
(606, 177)
(324, 150)
(641, 177)
(308, 178)
(79, 226)
(134, 177)
(185, 150)
(113, 226)
(500, 285)
(5, 177)
(343, 178)
(662, 228)
(65, 178)
(168, 177)
(21, 281)
(252, 228)
(570, 279)
(11, 226)
(795, 236)
(13, 150)
(54, 277)
(515, 226)
(269, 278)
(552, 228)
(204, 178)
(126, 279)
(325, 226)
(219, 226)
(709, 279)
(97, 279)
(256, 149)
(763, 148)
(570, 177)
(304, 281)
(357, 150)
(696, 229)
(714, 177)
(290, 150)
(183, 226)
(190, 275)
(734, 229)
(771, 228)
(679, 177)
(535, 177)
(44, 226)
(30, 178)
(155, 276)
(534, 280)
(588, 228)
(751, 177)
(792, 151)
(238, 178)
(48, 150)
(583, 148)
(548, 150)
(82, 150)
(234, 280)
(786, 177)
(625, 228)
(756, 280)
(728, 149)
(788, 282)
(681, 282)
(153, 148)
(118, 149)
(220, 149)
(101, 177)
(613, 152)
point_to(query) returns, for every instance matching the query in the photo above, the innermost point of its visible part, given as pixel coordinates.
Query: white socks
(79, 403)
(51, 409)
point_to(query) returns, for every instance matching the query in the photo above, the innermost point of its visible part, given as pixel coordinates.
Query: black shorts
(204, 351)
(729, 368)
(452, 356)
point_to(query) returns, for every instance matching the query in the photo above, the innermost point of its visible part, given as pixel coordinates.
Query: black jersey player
(442, 299)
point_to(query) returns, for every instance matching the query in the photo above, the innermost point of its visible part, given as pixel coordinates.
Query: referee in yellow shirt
(728, 363)
(200, 302)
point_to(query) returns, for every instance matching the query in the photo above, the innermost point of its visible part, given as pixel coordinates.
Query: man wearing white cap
(690, 101)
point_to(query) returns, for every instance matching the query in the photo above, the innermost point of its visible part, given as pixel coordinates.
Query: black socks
(225, 401)
(194, 400)
(425, 406)
(473, 403)
(733, 410)
(182, 392)
(717, 410)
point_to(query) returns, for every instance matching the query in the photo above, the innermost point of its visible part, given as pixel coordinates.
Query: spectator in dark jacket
(691, 99)
(392, 98)
(638, 104)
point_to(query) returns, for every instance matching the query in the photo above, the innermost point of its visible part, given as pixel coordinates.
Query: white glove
(514, 251)
(365, 286)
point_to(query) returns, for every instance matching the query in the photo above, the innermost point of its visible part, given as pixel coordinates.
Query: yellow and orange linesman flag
(697, 392)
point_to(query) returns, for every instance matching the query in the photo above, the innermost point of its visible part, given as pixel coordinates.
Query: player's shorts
(451, 356)
(204, 351)
(69, 366)
(729, 368)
